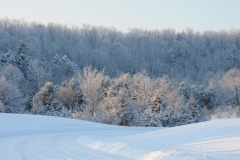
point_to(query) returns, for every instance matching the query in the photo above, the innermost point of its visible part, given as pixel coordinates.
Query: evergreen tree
(21, 59)
(62, 68)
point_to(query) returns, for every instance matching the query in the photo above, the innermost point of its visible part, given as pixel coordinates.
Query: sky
(200, 15)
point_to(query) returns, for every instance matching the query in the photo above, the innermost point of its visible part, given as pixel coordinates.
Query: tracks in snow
(51, 147)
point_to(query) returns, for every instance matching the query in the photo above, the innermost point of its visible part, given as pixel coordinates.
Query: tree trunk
(92, 110)
(237, 99)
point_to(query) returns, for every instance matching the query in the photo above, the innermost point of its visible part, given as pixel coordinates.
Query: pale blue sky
(199, 15)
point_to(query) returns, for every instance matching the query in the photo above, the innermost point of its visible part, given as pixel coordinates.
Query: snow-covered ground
(31, 137)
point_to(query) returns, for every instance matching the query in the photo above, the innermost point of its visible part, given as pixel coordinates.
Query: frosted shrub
(65, 112)
(42, 110)
(176, 116)
(77, 115)
(225, 112)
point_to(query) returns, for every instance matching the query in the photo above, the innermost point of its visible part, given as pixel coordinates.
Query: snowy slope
(31, 137)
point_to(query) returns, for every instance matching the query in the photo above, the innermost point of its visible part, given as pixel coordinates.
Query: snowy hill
(31, 137)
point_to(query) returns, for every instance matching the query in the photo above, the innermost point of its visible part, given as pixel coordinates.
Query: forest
(135, 78)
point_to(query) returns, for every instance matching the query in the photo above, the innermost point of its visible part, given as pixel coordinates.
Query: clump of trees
(137, 100)
(62, 50)
(62, 100)
(140, 78)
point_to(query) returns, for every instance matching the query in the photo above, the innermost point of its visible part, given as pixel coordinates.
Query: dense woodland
(137, 78)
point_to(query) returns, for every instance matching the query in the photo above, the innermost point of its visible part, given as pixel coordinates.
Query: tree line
(140, 78)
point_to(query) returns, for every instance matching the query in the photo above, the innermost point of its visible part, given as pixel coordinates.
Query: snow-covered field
(31, 137)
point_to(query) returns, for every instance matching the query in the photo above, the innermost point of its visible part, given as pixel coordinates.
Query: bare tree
(90, 84)
(12, 74)
(231, 82)
(11, 97)
(37, 74)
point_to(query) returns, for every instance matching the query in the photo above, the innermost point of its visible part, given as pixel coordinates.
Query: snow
(31, 137)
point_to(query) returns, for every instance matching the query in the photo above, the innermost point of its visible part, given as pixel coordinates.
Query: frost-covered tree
(10, 97)
(12, 74)
(43, 98)
(142, 89)
(21, 59)
(231, 82)
(170, 105)
(128, 112)
(110, 108)
(90, 83)
(62, 68)
(69, 94)
(37, 74)
(225, 89)
(6, 57)
(198, 100)
(166, 92)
